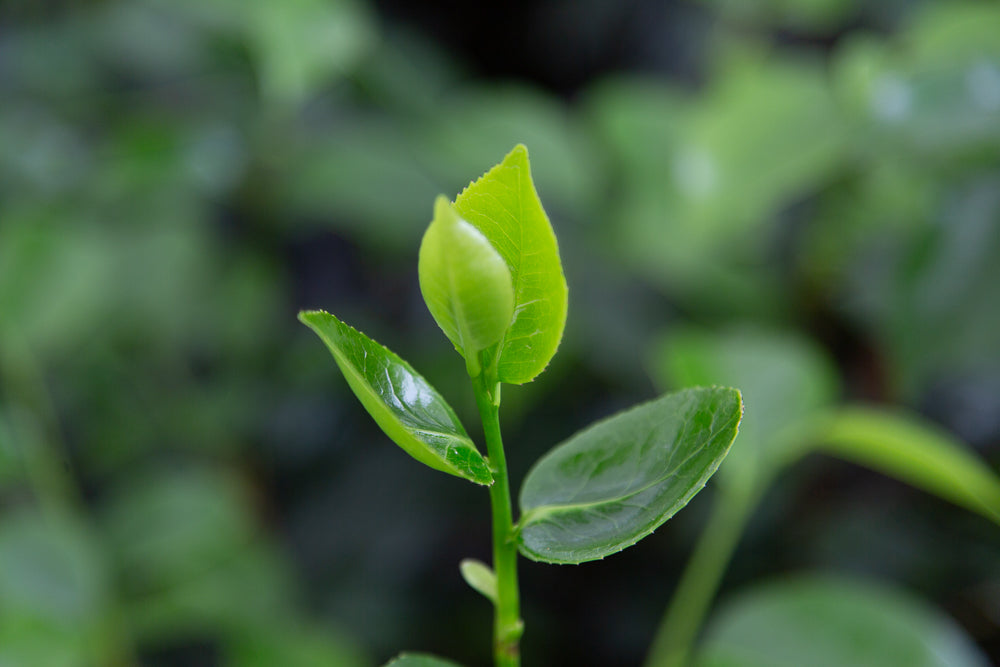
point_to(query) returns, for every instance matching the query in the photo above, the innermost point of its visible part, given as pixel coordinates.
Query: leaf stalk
(508, 627)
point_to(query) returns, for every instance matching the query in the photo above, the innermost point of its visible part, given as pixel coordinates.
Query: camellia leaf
(908, 449)
(612, 484)
(465, 283)
(402, 402)
(833, 622)
(504, 206)
(419, 660)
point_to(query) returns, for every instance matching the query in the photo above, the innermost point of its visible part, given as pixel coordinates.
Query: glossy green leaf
(909, 449)
(465, 283)
(403, 404)
(480, 577)
(833, 622)
(612, 484)
(419, 660)
(504, 206)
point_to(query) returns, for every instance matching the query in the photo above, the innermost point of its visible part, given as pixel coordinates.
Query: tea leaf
(403, 404)
(465, 283)
(833, 622)
(504, 206)
(905, 448)
(612, 484)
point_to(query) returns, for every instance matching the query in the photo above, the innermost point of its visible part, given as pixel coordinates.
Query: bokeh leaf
(904, 447)
(294, 646)
(465, 283)
(407, 408)
(504, 206)
(480, 577)
(612, 484)
(831, 622)
(54, 591)
(419, 660)
(784, 380)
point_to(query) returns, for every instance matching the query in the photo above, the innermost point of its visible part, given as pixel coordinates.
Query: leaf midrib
(540, 512)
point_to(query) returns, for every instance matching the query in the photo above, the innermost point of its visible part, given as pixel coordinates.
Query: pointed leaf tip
(406, 407)
(615, 482)
(504, 205)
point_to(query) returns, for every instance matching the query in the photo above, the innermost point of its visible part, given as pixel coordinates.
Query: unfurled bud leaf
(465, 283)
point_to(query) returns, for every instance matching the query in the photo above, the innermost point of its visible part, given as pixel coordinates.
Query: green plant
(789, 388)
(491, 276)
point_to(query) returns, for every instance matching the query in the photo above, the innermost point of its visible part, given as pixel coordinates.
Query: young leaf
(404, 405)
(480, 577)
(504, 206)
(907, 449)
(612, 484)
(419, 660)
(833, 622)
(465, 283)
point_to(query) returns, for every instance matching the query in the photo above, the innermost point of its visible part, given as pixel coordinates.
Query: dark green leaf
(504, 206)
(828, 622)
(419, 660)
(612, 484)
(404, 405)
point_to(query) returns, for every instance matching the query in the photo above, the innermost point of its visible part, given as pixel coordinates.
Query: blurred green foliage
(177, 477)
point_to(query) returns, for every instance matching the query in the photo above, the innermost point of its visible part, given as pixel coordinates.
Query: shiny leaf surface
(830, 622)
(403, 404)
(504, 206)
(612, 484)
(465, 283)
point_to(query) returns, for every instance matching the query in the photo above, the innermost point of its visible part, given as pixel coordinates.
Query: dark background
(185, 478)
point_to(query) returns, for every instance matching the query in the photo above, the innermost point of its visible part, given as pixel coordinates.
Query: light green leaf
(909, 449)
(403, 404)
(481, 577)
(465, 283)
(832, 622)
(612, 484)
(419, 660)
(504, 206)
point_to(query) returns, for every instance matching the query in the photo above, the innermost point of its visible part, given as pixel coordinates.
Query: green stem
(507, 626)
(700, 580)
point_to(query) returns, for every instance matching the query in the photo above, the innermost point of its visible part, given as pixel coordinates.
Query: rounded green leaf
(612, 484)
(403, 404)
(465, 283)
(504, 206)
(833, 622)
(419, 660)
